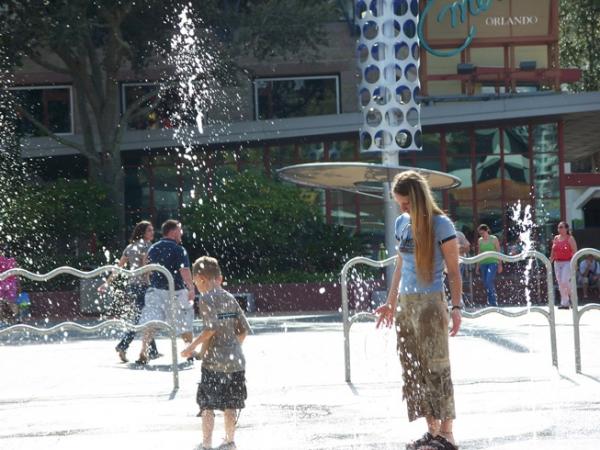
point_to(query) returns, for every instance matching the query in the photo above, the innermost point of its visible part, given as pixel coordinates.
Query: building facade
(493, 114)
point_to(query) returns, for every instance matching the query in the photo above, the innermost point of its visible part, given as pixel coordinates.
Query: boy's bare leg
(433, 425)
(208, 425)
(229, 425)
(446, 430)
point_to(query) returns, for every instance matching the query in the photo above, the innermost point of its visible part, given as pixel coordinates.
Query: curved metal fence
(106, 323)
(547, 312)
(578, 312)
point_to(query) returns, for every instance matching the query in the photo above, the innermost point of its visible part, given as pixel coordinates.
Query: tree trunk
(109, 173)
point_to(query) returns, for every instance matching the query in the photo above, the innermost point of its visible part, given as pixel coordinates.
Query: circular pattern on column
(370, 30)
(401, 50)
(400, 7)
(414, 7)
(403, 95)
(392, 73)
(388, 52)
(412, 117)
(365, 96)
(382, 95)
(362, 53)
(361, 9)
(415, 51)
(372, 74)
(376, 7)
(418, 139)
(365, 140)
(410, 28)
(391, 29)
(403, 139)
(379, 51)
(374, 117)
(383, 139)
(394, 117)
(416, 94)
(411, 73)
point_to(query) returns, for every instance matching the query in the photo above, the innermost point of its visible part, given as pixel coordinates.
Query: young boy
(223, 383)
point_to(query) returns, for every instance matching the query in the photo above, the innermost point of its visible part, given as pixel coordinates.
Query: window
(166, 102)
(49, 105)
(279, 98)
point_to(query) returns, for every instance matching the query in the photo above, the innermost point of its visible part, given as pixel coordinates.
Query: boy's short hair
(206, 266)
(168, 226)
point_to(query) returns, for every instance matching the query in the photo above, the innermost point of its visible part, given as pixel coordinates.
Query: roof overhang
(446, 112)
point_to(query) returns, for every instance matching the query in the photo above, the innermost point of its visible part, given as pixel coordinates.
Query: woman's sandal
(426, 439)
(438, 443)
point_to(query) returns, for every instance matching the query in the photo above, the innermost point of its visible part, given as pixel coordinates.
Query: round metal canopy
(361, 178)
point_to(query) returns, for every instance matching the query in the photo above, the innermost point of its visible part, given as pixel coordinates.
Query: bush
(50, 225)
(261, 229)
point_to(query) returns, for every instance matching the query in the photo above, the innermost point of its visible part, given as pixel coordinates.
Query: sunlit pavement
(74, 394)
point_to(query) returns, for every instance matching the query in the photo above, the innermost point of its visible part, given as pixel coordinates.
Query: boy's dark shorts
(220, 390)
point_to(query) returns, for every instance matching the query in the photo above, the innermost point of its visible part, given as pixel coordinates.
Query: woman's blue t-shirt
(444, 231)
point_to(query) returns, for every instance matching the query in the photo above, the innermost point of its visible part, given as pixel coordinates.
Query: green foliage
(580, 40)
(76, 209)
(50, 225)
(262, 229)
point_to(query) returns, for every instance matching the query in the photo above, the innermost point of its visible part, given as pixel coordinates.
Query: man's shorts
(157, 308)
(220, 390)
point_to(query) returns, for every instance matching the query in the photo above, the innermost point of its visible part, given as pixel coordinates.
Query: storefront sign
(511, 21)
(456, 13)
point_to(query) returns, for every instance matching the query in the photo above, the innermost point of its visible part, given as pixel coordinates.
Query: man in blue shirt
(169, 253)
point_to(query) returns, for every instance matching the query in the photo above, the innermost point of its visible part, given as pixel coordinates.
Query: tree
(262, 229)
(94, 41)
(580, 40)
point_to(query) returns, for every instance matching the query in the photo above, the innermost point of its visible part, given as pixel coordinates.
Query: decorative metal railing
(64, 326)
(547, 312)
(578, 312)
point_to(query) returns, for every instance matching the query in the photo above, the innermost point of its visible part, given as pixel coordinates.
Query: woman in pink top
(9, 286)
(563, 249)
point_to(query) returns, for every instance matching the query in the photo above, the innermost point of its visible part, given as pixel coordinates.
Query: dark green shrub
(262, 229)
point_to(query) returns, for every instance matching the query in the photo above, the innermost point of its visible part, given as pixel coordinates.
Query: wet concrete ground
(74, 393)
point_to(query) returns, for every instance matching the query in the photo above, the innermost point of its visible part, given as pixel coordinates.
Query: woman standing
(134, 256)
(563, 249)
(489, 267)
(427, 242)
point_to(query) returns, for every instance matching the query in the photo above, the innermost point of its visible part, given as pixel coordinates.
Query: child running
(223, 382)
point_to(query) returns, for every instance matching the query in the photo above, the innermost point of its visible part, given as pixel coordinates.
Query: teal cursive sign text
(456, 12)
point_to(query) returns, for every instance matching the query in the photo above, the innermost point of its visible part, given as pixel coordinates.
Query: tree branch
(94, 62)
(46, 65)
(79, 74)
(40, 126)
(88, 134)
(129, 112)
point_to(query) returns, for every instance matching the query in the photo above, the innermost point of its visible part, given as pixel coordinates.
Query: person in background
(589, 274)
(563, 249)
(489, 267)
(169, 253)
(9, 287)
(464, 247)
(427, 243)
(135, 256)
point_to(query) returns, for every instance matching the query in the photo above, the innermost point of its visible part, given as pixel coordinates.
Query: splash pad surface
(74, 394)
